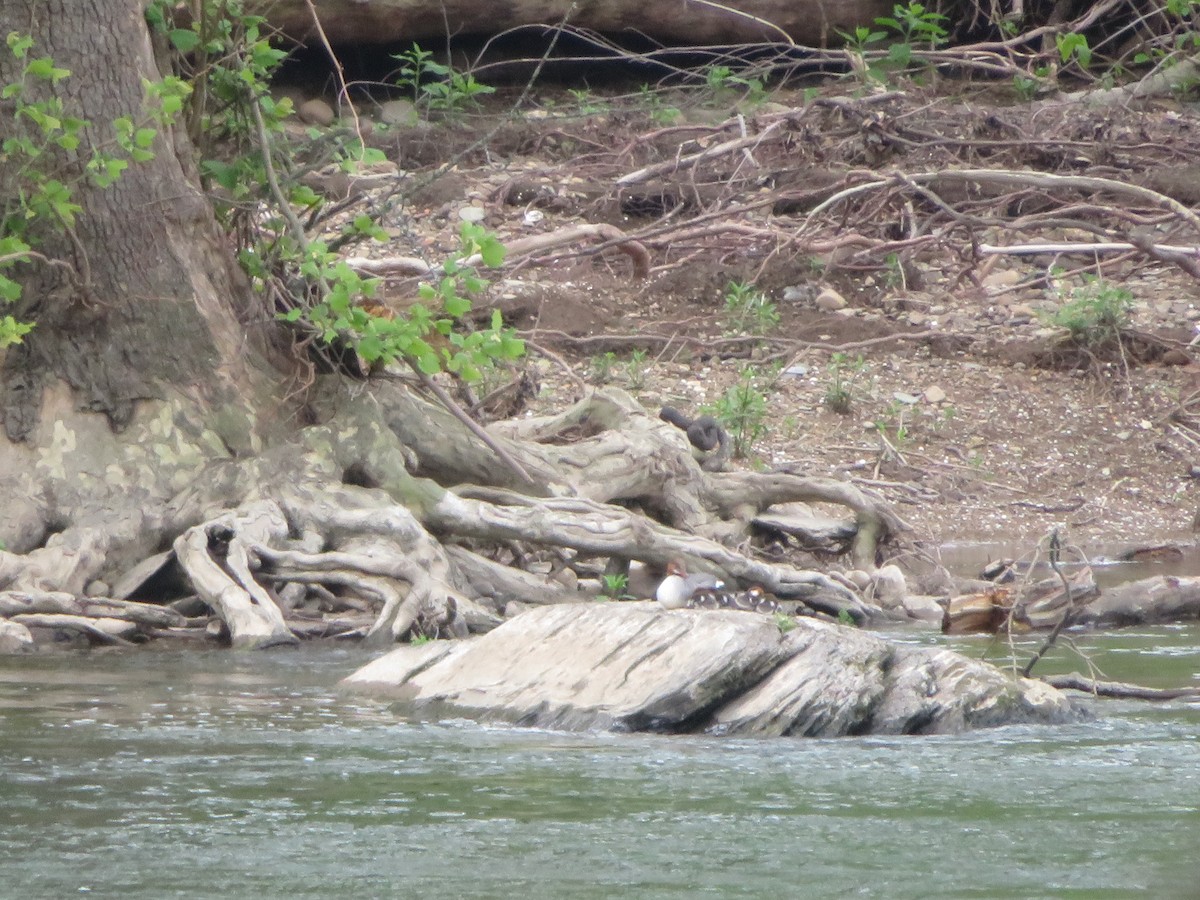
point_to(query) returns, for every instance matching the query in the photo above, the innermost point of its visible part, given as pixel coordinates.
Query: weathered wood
(1162, 598)
(253, 618)
(100, 631)
(1117, 689)
(811, 22)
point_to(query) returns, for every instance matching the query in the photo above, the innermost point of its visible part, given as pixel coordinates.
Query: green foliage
(912, 26)
(861, 39)
(635, 370)
(839, 396)
(426, 337)
(661, 112)
(436, 86)
(614, 586)
(917, 27)
(225, 54)
(742, 409)
(749, 310)
(895, 421)
(1029, 86)
(600, 369)
(588, 105)
(223, 50)
(1096, 314)
(47, 152)
(420, 640)
(723, 82)
(1074, 46)
(784, 622)
(844, 618)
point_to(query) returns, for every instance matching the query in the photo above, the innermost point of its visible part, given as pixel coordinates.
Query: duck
(677, 588)
(753, 599)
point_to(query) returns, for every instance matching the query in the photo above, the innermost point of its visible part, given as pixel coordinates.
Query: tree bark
(149, 324)
(811, 22)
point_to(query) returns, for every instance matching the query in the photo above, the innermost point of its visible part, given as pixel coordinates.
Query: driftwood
(522, 249)
(97, 630)
(1117, 689)
(1037, 607)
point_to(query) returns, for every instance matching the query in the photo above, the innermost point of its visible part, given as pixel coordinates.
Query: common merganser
(677, 588)
(753, 599)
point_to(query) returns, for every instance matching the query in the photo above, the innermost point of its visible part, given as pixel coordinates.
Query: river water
(218, 774)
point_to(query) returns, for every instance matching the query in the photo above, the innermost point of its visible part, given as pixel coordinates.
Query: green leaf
(429, 363)
(457, 306)
(9, 289)
(184, 39)
(492, 252)
(44, 68)
(19, 44)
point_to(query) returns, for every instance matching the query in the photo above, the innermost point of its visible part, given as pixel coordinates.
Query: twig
(1055, 548)
(686, 162)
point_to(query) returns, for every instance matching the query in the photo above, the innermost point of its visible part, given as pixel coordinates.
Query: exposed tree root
(353, 515)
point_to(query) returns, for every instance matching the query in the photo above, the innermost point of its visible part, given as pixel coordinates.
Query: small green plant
(844, 618)
(1025, 87)
(1096, 314)
(384, 339)
(437, 86)
(1074, 46)
(742, 409)
(419, 640)
(914, 28)
(661, 112)
(784, 622)
(861, 39)
(614, 586)
(587, 103)
(724, 82)
(601, 366)
(749, 310)
(895, 421)
(839, 396)
(635, 370)
(917, 28)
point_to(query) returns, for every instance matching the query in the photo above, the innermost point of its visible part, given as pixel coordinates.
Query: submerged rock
(639, 668)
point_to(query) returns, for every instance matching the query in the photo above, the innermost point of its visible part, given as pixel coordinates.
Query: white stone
(637, 667)
(830, 300)
(890, 587)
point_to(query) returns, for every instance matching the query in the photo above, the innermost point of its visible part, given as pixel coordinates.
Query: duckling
(753, 599)
(677, 588)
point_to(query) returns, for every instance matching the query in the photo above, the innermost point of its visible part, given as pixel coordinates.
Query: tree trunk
(147, 323)
(142, 413)
(811, 22)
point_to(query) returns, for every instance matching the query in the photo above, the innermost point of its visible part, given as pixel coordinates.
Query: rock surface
(639, 668)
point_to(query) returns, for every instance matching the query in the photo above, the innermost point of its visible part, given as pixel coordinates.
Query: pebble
(830, 300)
(316, 112)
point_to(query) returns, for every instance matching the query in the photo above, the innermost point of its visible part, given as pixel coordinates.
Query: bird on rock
(677, 588)
(753, 599)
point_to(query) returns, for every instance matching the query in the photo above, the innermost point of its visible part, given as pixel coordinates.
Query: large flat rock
(641, 668)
